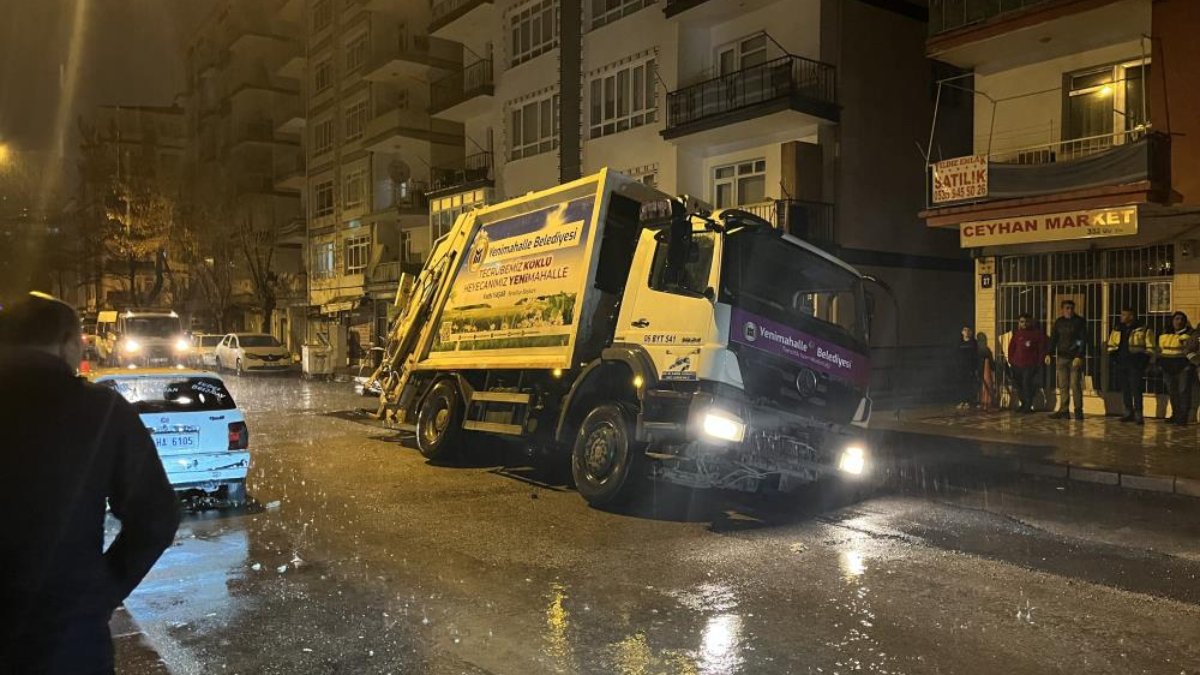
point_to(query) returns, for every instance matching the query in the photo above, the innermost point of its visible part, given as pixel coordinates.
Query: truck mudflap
(729, 444)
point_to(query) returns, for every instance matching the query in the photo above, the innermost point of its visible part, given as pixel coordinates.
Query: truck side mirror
(710, 294)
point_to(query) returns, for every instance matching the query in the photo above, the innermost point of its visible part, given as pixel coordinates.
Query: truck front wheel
(439, 421)
(609, 467)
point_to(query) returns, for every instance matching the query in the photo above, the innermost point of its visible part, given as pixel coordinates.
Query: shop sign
(960, 178)
(1113, 222)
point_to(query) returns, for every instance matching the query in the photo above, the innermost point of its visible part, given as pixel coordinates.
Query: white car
(200, 433)
(251, 353)
(204, 350)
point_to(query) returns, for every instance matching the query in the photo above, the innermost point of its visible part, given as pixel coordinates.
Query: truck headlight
(131, 346)
(723, 426)
(853, 460)
(182, 345)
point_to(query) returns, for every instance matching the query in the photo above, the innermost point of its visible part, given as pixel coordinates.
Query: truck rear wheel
(609, 467)
(439, 421)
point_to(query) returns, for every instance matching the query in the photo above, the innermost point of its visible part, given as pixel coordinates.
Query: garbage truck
(640, 337)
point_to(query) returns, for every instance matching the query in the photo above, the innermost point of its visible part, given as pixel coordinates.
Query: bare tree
(259, 245)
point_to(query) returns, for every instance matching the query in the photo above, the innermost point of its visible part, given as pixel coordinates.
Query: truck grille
(792, 387)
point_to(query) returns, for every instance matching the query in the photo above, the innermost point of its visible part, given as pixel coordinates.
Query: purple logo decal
(800, 347)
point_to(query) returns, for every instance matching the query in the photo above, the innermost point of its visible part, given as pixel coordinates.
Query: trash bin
(315, 360)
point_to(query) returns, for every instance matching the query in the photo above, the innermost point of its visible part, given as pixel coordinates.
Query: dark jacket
(1027, 348)
(69, 446)
(967, 357)
(1069, 337)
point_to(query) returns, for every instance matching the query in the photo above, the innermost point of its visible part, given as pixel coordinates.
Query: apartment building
(244, 155)
(370, 145)
(136, 148)
(1084, 175)
(810, 113)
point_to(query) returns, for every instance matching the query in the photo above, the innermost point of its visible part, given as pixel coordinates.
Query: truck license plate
(173, 441)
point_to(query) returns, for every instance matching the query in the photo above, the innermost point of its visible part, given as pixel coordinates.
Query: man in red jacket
(1026, 350)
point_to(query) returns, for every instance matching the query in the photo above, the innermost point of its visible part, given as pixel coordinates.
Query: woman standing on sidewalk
(1178, 372)
(987, 374)
(966, 369)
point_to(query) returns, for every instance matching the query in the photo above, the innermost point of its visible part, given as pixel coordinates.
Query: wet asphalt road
(362, 558)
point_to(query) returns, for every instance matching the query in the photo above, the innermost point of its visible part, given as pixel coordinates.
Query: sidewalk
(1157, 456)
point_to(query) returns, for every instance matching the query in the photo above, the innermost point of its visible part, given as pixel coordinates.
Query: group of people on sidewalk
(1133, 346)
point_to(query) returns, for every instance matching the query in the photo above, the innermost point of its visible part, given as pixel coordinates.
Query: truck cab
(142, 337)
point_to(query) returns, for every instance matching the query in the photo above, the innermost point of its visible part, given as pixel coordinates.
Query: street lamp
(5, 154)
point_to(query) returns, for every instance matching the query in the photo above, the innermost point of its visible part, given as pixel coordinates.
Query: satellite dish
(399, 171)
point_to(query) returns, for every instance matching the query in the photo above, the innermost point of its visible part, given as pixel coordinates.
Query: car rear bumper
(185, 471)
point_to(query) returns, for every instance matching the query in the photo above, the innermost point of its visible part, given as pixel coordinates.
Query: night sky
(131, 53)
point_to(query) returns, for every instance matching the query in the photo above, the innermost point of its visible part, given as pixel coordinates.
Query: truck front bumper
(728, 435)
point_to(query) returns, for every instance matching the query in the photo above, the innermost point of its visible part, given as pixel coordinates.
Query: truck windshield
(764, 273)
(153, 326)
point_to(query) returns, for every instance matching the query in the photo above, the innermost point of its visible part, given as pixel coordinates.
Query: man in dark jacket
(1130, 344)
(1026, 350)
(1068, 341)
(68, 447)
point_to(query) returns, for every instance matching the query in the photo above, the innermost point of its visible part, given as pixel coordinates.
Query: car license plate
(176, 441)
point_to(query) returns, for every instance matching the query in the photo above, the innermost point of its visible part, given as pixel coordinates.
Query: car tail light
(239, 436)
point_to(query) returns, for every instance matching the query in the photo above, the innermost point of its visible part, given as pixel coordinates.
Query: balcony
(466, 94)
(290, 172)
(405, 57)
(810, 221)
(258, 131)
(289, 117)
(787, 92)
(463, 21)
(948, 15)
(710, 11)
(400, 130)
(996, 35)
(1124, 168)
(476, 172)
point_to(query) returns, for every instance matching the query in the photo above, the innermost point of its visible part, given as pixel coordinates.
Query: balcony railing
(807, 83)
(474, 80)
(1120, 158)
(477, 168)
(810, 221)
(948, 15)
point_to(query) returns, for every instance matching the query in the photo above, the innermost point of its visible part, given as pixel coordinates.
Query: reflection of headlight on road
(182, 345)
(853, 460)
(131, 346)
(724, 426)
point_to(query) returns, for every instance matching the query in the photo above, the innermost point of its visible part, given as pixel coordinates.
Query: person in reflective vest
(1130, 344)
(1178, 372)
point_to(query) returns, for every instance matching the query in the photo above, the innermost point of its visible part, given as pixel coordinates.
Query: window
(608, 11)
(173, 394)
(740, 184)
(747, 53)
(406, 246)
(623, 99)
(322, 15)
(356, 120)
(323, 76)
(323, 136)
(356, 182)
(688, 276)
(356, 53)
(535, 127)
(323, 199)
(443, 211)
(534, 31)
(323, 259)
(1105, 106)
(358, 250)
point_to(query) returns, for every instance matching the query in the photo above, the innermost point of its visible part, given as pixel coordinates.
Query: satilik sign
(1112, 222)
(960, 178)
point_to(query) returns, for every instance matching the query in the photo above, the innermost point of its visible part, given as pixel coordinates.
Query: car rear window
(173, 394)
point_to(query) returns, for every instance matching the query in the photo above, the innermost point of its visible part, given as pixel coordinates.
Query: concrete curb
(1187, 487)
